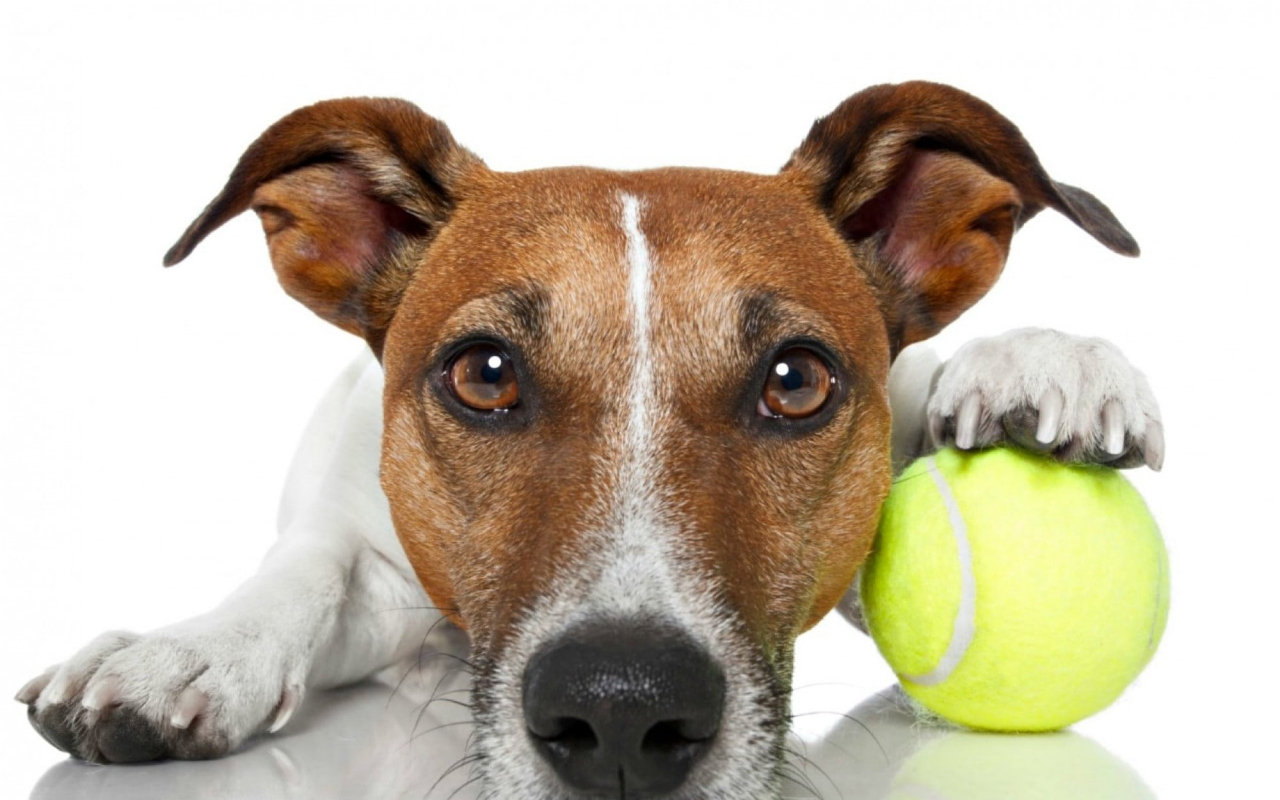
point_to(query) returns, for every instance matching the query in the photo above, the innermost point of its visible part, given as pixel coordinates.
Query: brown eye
(482, 377)
(798, 385)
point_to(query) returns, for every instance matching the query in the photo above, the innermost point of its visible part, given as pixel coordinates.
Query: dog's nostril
(670, 735)
(571, 734)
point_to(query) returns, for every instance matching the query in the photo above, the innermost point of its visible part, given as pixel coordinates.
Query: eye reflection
(799, 383)
(483, 378)
(789, 378)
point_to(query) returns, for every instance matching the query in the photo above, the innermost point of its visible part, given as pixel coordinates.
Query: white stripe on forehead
(634, 569)
(637, 569)
(640, 394)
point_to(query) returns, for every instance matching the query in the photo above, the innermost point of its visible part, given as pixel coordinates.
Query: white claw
(967, 421)
(191, 704)
(32, 689)
(1113, 427)
(1051, 405)
(937, 427)
(57, 691)
(1153, 447)
(105, 692)
(289, 701)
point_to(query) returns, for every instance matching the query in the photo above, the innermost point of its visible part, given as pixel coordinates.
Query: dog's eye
(798, 385)
(482, 377)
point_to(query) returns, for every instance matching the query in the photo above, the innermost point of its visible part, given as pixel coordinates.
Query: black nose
(623, 709)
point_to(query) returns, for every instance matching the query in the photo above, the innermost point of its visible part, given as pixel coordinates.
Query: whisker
(456, 691)
(419, 608)
(399, 683)
(421, 647)
(465, 668)
(904, 479)
(458, 703)
(444, 654)
(815, 765)
(441, 726)
(792, 773)
(430, 699)
(457, 765)
(468, 782)
(852, 719)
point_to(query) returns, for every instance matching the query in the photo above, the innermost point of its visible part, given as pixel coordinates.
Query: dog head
(636, 424)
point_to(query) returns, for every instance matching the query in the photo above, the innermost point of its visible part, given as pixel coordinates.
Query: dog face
(636, 424)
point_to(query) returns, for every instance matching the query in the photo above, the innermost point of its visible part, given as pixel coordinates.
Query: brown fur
(929, 183)
(784, 521)
(893, 217)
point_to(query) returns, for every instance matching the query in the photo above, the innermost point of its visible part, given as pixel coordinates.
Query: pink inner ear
(332, 216)
(327, 232)
(940, 211)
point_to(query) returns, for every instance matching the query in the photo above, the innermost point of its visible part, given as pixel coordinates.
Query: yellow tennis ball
(1012, 593)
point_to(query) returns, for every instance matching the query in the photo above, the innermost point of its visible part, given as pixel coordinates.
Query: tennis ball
(983, 766)
(1012, 593)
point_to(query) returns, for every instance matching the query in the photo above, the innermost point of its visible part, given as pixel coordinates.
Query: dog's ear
(928, 184)
(348, 191)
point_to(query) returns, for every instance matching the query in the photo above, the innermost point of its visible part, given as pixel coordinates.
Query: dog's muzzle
(623, 706)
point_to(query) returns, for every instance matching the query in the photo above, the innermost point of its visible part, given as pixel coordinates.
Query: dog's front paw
(1077, 398)
(190, 694)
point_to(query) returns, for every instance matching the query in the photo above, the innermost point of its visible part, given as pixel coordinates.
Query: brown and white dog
(631, 431)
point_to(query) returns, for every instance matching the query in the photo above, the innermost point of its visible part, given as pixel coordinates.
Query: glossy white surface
(374, 741)
(147, 416)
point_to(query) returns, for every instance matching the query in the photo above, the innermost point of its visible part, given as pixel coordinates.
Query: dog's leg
(911, 381)
(1075, 398)
(333, 602)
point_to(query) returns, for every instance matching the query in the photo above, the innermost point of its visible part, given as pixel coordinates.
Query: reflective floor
(373, 741)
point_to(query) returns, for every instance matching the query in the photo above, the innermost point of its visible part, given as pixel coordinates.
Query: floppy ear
(348, 192)
(928, 184)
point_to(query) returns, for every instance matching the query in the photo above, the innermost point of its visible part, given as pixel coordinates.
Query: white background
(148, 415)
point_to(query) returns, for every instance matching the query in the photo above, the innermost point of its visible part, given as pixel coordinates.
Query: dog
(630, 431)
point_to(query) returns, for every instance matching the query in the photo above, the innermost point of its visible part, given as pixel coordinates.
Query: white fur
(1017, 369)
(635, 570)
(321, 611)
(328, 604)
(910, 381)
(1010, 373)
(639, 566)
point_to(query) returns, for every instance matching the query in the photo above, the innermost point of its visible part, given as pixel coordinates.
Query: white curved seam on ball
(965, 624)
(1155, 618)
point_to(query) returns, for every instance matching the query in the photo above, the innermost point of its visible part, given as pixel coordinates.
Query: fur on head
(641, 313)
